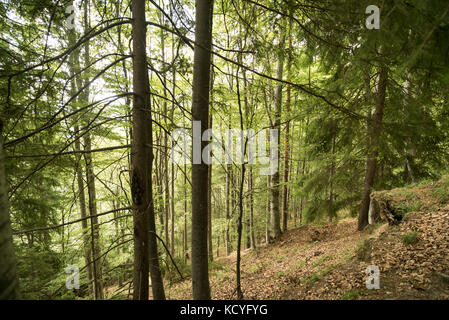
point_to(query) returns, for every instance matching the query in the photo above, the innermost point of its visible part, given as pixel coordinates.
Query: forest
(223, 149)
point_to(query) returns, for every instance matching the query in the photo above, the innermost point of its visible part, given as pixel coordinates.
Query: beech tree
(200, 175)
(146, 258)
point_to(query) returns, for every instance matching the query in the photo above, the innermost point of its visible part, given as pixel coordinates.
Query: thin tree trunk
(267, 212)
(275, 214)
(240, 199)
(332, 213)
(94, 226)
(77, 82)
(90, 180)
(376, 127)
(172, 231)
(164, 157)
(185, 240)
(83, 212)
(228, 211)
(251, 209)
(209, 206)
(287, 136)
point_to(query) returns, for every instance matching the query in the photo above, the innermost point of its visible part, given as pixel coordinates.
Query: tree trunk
(95, 228)
(76, 84)
(228, 209)
(164, 156)
(173, 175)
(267, 213)
(251, 208)
(376, 127)
(145, 245)
(287, 137)
(90, 179)
(200, 112)
(275, 214)
(209, 207)
(9, 285)
(83, 212)
(240, 197)
(185, 240)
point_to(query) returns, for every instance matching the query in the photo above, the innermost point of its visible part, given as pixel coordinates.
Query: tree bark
(251, 208)
(83, 212)
(185, 240)
(209, 206)
(90, 180)
(9, 284)
(145, 245)
(275, 214)
(376, 127)
(286, 141)
(94, 226)
(200, 112)
(76, 84)
(228, 209)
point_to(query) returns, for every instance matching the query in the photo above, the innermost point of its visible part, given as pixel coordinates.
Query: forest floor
(329, 261)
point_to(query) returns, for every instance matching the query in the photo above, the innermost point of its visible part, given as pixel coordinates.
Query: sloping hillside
(329, 262)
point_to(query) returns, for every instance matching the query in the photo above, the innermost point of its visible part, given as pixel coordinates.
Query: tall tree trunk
(376, 127)
(267, 212)
(240, 197)
(209, 205)
(9, 284)
(275, 214)
(287, 139)
(164, 157)
(83, 212)
(94, 226)
(90, 178)
(228, 209)
(200, 112)
(185, 240)
(145, 245)
(173, 176)
(332, 213)
(251, 208)
(75, 83)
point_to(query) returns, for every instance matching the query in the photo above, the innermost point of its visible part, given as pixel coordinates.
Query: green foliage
(441, 190)
(351, 295)
(410, 238)
(327, 269)
(333, 68)
(38, 265)
(313, 278)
